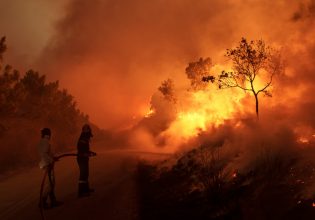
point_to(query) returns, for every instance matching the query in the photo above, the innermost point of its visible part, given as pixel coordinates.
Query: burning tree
(252, 62)
(167, 89)
(196, 71)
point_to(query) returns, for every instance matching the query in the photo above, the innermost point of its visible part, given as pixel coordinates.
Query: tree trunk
(257, 112)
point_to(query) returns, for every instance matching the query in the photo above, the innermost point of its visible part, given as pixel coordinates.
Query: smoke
(112, 55)
(285, 132)
(28, 28)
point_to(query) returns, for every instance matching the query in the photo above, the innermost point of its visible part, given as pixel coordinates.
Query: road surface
(112, 174)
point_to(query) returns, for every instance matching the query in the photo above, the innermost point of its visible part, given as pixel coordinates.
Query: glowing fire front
(199, 110)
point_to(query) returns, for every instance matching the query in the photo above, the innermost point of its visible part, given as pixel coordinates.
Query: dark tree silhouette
(251, 60)
(27, 103)
(8, 89)
(196, 71)
(3, 48)
(9, 78)
(167, 89)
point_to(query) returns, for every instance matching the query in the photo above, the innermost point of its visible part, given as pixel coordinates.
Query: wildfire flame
(199, 110)
(305, 135)
(149, 113)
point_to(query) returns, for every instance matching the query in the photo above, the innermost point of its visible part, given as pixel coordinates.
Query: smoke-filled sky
(113, 54)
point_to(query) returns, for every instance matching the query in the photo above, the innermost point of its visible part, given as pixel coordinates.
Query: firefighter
(84, 153)
(47, 164)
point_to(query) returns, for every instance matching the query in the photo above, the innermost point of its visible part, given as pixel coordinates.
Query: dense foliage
(27, 104)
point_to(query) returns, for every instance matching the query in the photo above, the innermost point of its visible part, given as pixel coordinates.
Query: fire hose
(46, 173)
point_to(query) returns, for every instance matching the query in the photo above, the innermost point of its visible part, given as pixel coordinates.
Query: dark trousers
(83, 163)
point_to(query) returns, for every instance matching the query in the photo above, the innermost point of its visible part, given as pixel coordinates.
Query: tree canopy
(251, 62)
(27, 103)
(167, 90)
(196, 71)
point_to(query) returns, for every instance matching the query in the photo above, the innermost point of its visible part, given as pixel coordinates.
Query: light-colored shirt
(46, 156)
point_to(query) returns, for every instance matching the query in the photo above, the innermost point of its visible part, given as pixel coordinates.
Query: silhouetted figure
(47, 164)
(84, 153)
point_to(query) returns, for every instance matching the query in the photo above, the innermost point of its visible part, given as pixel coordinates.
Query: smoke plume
(112, 55)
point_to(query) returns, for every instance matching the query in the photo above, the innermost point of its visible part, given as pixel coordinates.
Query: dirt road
(112, 174)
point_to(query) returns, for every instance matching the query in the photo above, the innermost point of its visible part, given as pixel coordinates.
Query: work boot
(53, 200)
(55, 204)
(83, 194)
(91, 190)
(43, 204)
(83, 190)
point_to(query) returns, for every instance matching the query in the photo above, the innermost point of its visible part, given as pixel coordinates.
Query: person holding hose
(47, 160)
(83, 147)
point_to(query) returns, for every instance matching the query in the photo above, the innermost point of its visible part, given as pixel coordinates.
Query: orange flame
(200, 110)
(149, 113)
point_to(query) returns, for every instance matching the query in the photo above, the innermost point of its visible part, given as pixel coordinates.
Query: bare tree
(251, 60)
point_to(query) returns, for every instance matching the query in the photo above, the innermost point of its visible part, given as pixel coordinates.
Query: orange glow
(199, 110)
(303, 140)
(305, 135)
(149, 113)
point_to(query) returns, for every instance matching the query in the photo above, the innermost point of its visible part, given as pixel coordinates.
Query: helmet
(45, 131)
(87, 129)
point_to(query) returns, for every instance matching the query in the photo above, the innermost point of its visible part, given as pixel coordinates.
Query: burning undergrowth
(245, 170)
(230, 164)
(238, 168)
(171, 124)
